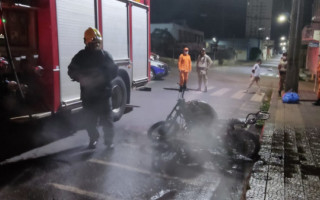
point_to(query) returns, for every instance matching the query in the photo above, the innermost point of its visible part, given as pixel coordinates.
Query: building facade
(310, 41)
(182, 36)
(259, 18)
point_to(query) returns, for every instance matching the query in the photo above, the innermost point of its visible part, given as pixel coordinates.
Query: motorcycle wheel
(200, 113)
(160, 130)
(243, 143)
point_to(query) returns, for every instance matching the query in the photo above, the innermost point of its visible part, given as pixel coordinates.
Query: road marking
(238, 95)
(257, 97)
(268, 74)
(79, 191)
(146, 172)
(220, 92)
(243, 107)
(272, 64)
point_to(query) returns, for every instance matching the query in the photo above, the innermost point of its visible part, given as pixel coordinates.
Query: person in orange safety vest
(184, 65)
(317, 103)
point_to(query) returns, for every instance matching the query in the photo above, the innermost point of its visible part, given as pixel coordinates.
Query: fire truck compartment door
(115, 29)
(73, 18)
(140, 43)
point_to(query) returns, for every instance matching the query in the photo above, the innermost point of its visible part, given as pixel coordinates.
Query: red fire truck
(44, 35)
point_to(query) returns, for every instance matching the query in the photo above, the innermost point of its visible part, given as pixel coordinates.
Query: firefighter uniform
(282, 67)
(184, 65)
(94, 70)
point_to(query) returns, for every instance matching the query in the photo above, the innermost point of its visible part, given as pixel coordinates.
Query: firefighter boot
(94, 136)
(184, 86)
(92, 144)
(108, 134)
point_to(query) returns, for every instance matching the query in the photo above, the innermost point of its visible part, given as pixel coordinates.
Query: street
(136, 168)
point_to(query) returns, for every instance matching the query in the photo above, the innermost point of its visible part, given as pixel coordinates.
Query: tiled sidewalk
(289, 167)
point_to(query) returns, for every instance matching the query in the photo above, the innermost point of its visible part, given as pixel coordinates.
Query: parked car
(158, 69)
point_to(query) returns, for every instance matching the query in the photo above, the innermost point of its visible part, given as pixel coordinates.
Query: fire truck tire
(119, 97)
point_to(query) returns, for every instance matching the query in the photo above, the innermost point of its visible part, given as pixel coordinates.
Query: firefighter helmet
(90, 34)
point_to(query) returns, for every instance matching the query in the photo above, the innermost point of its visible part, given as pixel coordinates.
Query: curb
(265, 141)
(246, 184)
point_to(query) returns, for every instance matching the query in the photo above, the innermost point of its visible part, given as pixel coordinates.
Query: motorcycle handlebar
(260, 115)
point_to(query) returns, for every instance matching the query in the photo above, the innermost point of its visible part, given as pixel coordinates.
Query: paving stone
(253, 195)
(304, 150)
(266, 140)
(292, 155)
(276, 160)
(258, 180)
(313, 141)
(311, 187)
(285, 153)
(275, 186)
(276, 169)
(294, 185)
(275, 195)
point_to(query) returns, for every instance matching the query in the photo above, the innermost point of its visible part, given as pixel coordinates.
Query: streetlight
(282, 18)
(214, 47)
(267, 38)
(260, 29)
(283, 44)
(283, 38)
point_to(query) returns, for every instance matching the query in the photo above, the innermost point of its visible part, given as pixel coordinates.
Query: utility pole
(292, 77)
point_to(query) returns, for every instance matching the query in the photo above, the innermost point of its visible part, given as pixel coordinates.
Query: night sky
(216, 18)
(284, 6)
(220, 18)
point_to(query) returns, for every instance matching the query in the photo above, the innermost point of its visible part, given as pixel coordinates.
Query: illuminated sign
(313, 44)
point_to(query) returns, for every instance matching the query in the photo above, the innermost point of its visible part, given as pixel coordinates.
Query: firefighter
(184, 65)
(203, 64)
(7, 87)
(94, 69)
(282, 67)
(317, 103)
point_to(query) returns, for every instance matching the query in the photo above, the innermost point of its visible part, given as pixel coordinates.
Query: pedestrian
(317, 103)
(282, 67)
(94, 69)
(203, 64)
(184, 65)
(255, 76)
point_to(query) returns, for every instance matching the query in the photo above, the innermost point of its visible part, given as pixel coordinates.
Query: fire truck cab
(44, 35)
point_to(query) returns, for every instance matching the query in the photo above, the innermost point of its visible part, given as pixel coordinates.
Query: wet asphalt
(48, 159)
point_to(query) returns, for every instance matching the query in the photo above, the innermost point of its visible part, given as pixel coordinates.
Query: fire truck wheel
(119, 98)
